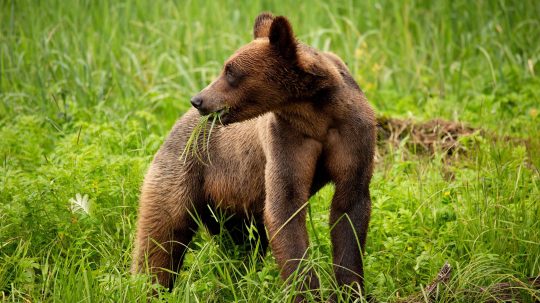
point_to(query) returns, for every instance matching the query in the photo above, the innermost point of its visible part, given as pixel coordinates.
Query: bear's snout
(203, 106)
(206, 104)
(197, 102)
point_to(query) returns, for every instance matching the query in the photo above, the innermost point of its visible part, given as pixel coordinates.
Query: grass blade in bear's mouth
(223, 112)
(201, 128)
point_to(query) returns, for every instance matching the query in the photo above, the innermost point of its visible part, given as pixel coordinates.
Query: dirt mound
(430, 136)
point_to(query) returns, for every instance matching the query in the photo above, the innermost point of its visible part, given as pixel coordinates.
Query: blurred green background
(89, 90)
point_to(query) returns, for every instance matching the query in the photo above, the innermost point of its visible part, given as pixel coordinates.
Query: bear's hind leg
(164, 230)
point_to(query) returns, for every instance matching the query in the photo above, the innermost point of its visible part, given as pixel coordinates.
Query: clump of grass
(199, 140)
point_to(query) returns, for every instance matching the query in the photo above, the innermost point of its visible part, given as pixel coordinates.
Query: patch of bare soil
(433, 135)
(500, 292)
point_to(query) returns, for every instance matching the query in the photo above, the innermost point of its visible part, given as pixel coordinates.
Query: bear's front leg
(350, 164)
(291, 162)
(349, 219)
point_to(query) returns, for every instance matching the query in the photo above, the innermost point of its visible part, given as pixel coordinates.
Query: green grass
(89, 90)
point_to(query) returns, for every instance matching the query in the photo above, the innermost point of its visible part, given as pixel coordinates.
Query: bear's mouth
(222, 111)
(223, 115)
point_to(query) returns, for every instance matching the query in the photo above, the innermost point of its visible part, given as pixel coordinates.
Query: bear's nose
(196, 102)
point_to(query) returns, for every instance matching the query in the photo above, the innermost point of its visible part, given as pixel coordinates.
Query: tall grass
(89, 90)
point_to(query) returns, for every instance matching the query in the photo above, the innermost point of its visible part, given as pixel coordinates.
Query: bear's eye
(231, 76)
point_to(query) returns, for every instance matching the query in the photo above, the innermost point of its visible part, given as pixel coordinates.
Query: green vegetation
(89, 90)
(199, 140)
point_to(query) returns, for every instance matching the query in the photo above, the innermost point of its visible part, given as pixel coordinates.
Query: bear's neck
(310, 116)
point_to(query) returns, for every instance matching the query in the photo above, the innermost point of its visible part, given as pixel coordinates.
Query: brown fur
(297, 121)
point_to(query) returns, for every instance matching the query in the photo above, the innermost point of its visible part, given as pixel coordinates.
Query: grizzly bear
(292, 119)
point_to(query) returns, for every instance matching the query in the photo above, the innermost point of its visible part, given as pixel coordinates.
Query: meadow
(89, 90)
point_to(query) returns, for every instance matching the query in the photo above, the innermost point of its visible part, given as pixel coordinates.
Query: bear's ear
(261, 28)
(282, 38)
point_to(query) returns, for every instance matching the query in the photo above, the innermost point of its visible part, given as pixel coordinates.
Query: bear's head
(264, 75)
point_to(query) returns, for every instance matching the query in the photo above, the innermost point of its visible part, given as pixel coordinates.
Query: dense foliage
(89, 90)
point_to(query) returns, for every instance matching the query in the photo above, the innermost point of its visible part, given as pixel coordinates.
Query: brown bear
(292, 119)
